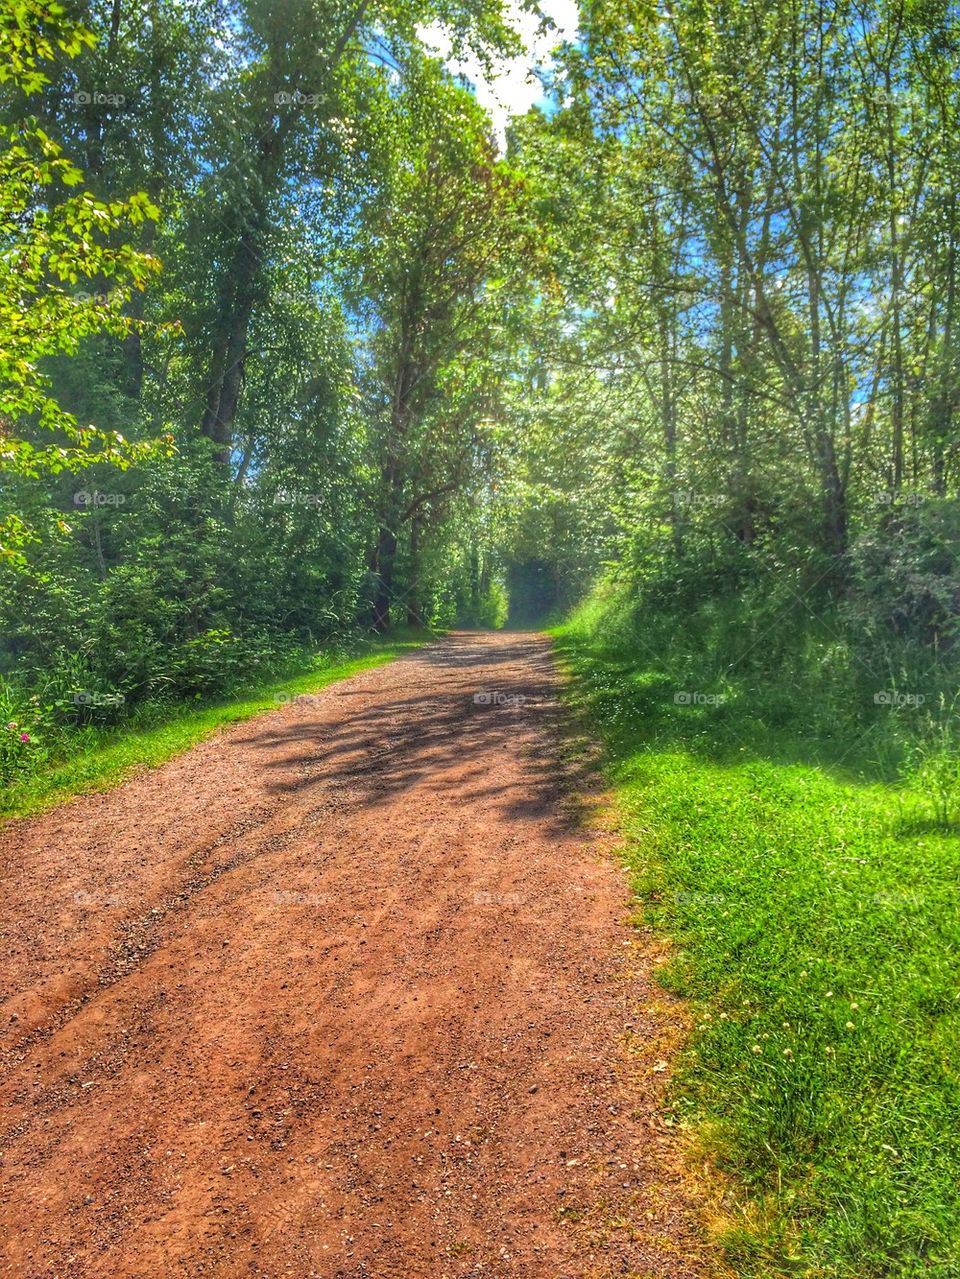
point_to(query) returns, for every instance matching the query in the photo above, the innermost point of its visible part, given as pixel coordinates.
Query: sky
(512, 89)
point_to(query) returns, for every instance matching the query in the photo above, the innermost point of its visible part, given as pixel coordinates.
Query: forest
(306, 360)
(293, 349)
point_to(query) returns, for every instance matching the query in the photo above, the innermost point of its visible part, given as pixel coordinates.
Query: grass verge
(816, 932)
(101, 759)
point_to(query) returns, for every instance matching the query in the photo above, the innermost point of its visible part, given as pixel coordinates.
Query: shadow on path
(437, 739)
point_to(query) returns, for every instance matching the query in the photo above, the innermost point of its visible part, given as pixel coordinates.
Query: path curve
(346, 991)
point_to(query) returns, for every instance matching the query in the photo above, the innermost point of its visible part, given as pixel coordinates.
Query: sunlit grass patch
(817, 936)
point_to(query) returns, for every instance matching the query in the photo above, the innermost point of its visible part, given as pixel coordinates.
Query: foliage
(48, 242)
(99, 755)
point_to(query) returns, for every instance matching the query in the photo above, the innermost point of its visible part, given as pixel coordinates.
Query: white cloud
(512, 88)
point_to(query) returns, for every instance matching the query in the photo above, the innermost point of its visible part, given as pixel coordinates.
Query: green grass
(816, 931)
(100, 759)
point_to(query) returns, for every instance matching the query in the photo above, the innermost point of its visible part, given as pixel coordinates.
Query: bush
(906, 574)
(24, 729)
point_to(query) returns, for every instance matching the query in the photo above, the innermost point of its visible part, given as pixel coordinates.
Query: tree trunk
(382, 565)
(414, 610)
(668, 421)
(834, 498)
(230, 346)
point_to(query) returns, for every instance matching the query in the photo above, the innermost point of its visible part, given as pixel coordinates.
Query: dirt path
(347, 992)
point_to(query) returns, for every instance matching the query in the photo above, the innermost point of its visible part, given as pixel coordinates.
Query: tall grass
(811, 894)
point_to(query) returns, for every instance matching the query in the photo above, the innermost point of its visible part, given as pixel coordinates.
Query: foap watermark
(295, 295)
(294, 897)
(898, 900)
(296, 699)
(496, 698)
(687, 497)
(699, 699)
(897, 497)
(297, 499)
(93, 497)
(87, 698)
(485, 897)
(296, 98)
(886, 697)
(99, 901)
(97, 98)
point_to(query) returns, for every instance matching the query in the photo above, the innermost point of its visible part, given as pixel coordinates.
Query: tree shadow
(442, 739)
(644, 709)
(911, 827)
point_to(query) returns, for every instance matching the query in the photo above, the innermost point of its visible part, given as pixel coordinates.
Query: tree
(45, 251)
(440, 244)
